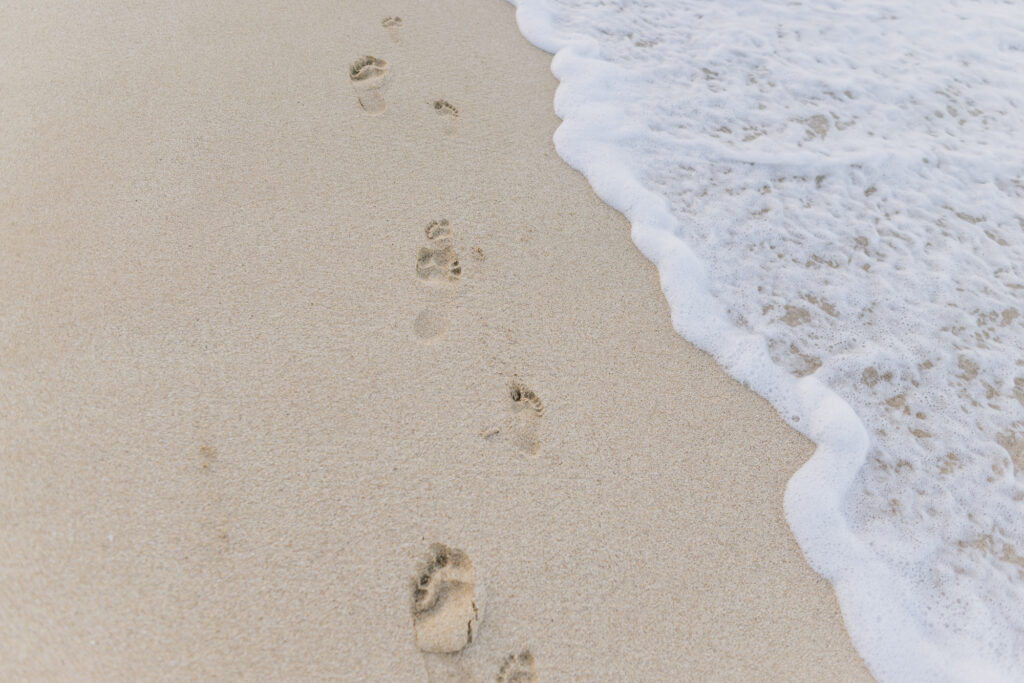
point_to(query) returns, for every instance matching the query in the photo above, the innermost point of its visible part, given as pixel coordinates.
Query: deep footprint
(438, 263)
(368, 76)
(444, 609)
(518, 669)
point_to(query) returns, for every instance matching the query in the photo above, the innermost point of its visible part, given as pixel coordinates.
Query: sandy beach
(279, 321)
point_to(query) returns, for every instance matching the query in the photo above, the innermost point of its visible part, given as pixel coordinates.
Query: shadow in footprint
(518, 668)
(368, 76)
(438, 263)
(444, 611)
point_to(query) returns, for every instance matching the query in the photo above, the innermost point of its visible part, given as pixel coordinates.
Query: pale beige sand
(226, 445)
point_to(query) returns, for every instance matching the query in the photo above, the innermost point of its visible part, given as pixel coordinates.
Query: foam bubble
(833, 194)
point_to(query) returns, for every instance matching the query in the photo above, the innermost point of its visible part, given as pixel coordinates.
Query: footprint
(431, 323)
(438, 267)
(445, 108)
(439, 231)
(522, 428)
(518, 668)
(369, 75)
(444, 611)
(527, 409)
(523, 398)
(393, 25)
(438, 263)
(450, 113)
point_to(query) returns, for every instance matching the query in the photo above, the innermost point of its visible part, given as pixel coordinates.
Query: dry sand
(242, 392)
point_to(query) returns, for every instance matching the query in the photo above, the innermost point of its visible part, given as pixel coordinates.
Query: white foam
(833, 194)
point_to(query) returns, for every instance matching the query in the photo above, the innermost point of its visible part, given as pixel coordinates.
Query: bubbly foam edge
(866, 589)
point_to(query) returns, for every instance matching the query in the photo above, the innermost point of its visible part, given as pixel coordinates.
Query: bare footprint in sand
(393, 25)
(518, 668)
(368, 76)
(431, 323)
(444, 611)
(522, 428)
(449, 113)
(438, 267)
(523, 398)
(438, 263)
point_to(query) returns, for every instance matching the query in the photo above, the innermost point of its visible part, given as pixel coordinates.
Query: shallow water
(834, 196)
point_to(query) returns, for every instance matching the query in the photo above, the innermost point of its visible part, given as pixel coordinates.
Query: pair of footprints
(369, 76)
(445, 615)
(438, 266)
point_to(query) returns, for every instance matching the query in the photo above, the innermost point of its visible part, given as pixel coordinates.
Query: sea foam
(833, 194)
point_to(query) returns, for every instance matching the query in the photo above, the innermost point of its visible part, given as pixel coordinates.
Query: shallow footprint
(431, 323)
(444, 611)
(450, 113)
(368, 76)
(393, 25)
(523, 427)
(527, 409)
(518, 668)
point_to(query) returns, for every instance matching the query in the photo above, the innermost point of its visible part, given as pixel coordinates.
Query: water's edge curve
(876, 615)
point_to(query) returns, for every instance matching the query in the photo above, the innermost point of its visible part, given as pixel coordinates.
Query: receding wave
(833, 193)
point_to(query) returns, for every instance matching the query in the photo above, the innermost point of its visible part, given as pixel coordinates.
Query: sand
(272, 326)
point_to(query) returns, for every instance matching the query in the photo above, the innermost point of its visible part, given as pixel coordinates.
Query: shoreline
(276, 388)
